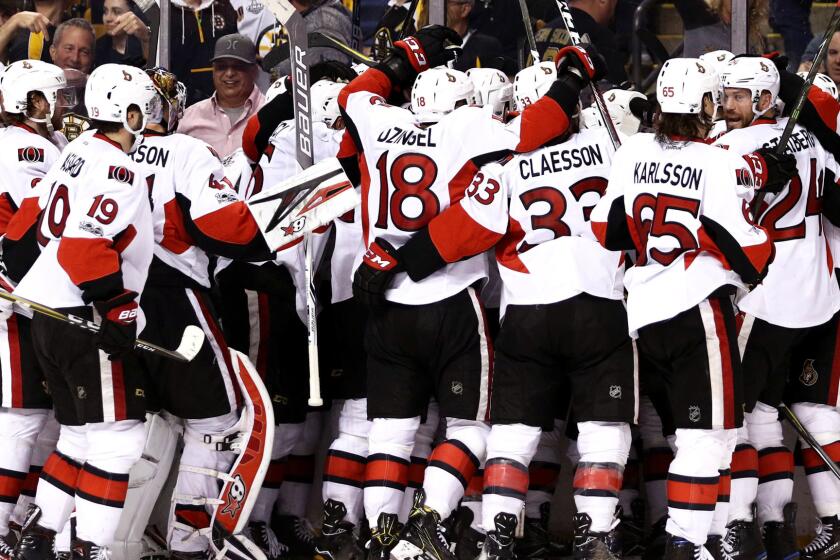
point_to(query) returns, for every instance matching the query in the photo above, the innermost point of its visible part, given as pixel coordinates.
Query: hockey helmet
(618, 105)
(439, 91)
(112, 88)
(173, 94)
(756, 75)
(324, 98)
(491, 88)
(717, 60)
(532, 82)
(682, 84)
(23, 77)
(823, 82)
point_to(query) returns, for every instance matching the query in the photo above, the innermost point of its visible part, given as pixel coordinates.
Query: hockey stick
(356, 22)
(529, 32)
(321, 39)
(832, 28)
(296, 29)
(191, 340)
(809, 439)
(412, 9)
(601, 105)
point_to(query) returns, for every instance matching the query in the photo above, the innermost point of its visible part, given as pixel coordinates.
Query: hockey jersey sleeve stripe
(457, 236)
(615, 234)
(749, 262)
(820, 116)
(24, 219)
(372, 80)
(93, 265)
(260, 127)
(7, 211)
(230, 231)
(541, 121)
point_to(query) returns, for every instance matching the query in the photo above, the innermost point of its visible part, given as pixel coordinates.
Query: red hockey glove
(374, 275)
(584, 60)
(431, 46)
(771, 171)
(118, 329)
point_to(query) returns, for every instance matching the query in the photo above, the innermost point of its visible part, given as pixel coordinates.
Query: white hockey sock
(775, 463)
(113, 448)
(390, 442)
(693, 480)
(419, 459)
(721, 514)
(453, 463)
(57, 486)
(18, 431)
(510, 449)
(824, 424)
(603, 448)
(544, 469)
(744, 471)
(344, 468)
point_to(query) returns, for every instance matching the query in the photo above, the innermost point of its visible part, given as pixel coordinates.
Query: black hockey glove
(118, 329)
(431, 46)
(771, 170)
(644, 110)
(374, 275)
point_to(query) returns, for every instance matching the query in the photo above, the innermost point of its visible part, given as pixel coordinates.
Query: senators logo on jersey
(121, 174)
(31, 154)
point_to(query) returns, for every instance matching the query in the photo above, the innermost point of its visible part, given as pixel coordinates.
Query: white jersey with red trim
(190, 196)
(96, 229)
(800, 289)
(411, 173)
(683, 205)
(541, 202)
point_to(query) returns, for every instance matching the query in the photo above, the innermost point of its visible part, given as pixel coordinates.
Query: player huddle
(679, 287)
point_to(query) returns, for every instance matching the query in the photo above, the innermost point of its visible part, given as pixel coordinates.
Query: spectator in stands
(591, 17)
(791, 19)
(28, 34)
(256, 22)
(327, 16)
(501, 19)
(126, 39)
(707, 25)
(478, 49)
(194, 28)
(220, 120)
(73, 45)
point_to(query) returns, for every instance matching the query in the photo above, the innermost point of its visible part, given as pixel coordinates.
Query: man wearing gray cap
(220, 120)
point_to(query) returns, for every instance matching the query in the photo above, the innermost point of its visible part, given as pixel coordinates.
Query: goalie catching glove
(118, 329)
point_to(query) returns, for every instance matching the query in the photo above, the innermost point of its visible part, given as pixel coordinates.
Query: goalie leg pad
(146, 480)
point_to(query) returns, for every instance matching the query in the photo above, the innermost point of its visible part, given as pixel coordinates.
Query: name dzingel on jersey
(153, 155)
(655, 172)
(72, 164)
(555, 161)
(397, 135)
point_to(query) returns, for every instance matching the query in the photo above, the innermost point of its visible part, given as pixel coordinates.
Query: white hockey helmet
(756, 75)
(717, 60)
(23, 77)
(439, 91)
(324, 99)
(491, 88)
(823, 82)
(591, 118)
(618, 104)
(682, 84)
(277, 87)
(532, 82)
(112, 88)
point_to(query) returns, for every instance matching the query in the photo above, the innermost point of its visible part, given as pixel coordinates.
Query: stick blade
(191, 342)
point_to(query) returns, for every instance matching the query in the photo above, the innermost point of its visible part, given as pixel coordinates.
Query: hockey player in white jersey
(562, 304)
(679, 203)
(428, 338)
(196, 213)
(33, 92)
(798, 295)
(96, 234)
